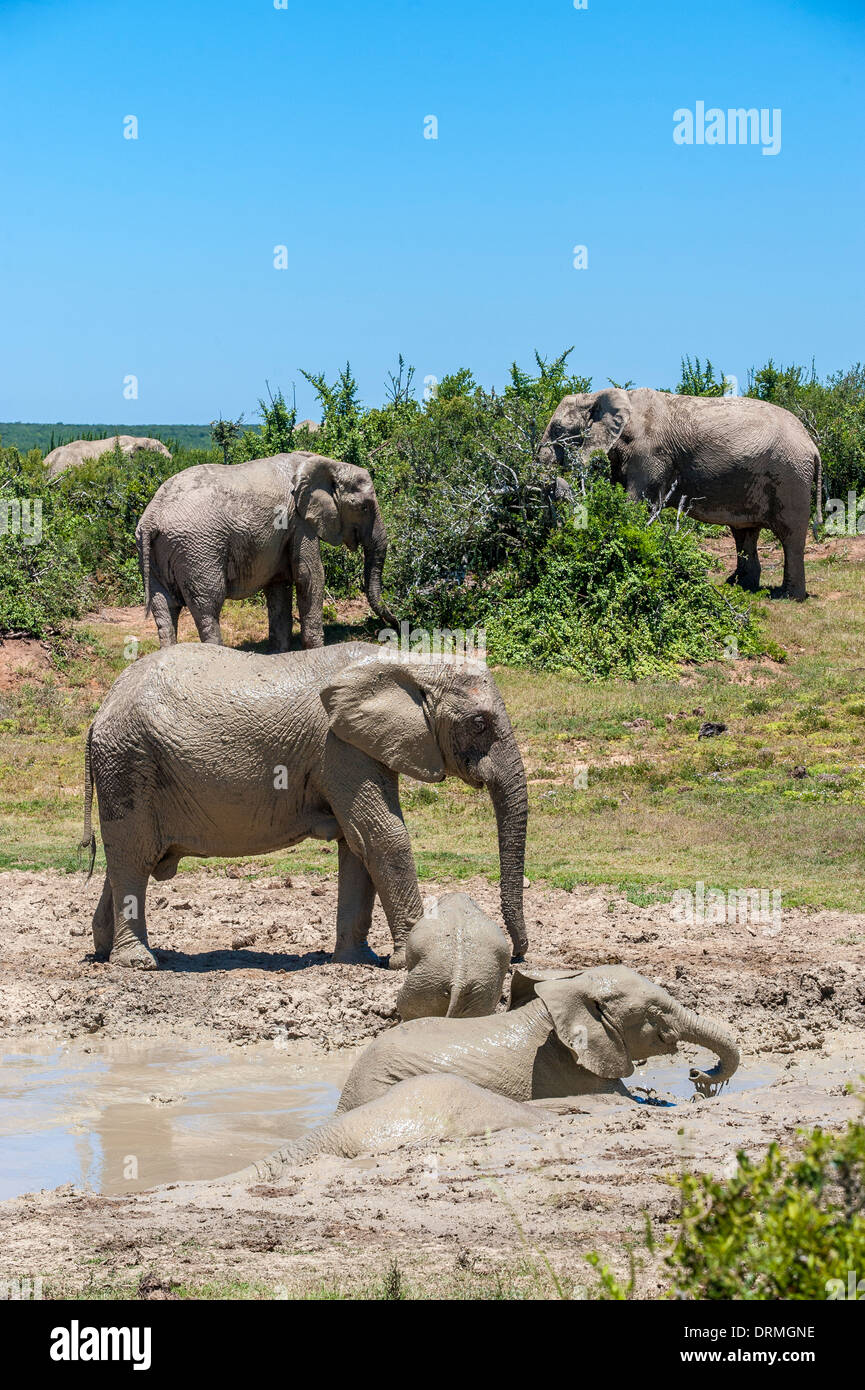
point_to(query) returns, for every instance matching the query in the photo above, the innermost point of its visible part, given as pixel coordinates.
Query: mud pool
(121, 1117)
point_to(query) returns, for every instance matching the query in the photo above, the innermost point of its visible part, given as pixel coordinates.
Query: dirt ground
(245, 961)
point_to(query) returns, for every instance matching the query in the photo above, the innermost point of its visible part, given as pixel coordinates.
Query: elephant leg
(308, 575)
(364, 797)
(129, 891)
(103, 923)
(166, 611)
(794, 564)
(354, 911)
(278, 596)
(205, 614)
(747, 571)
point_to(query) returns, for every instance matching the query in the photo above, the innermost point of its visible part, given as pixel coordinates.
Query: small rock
(711, 729)
(526, 883)
(798, 771)
(318, 892)
(241, 939)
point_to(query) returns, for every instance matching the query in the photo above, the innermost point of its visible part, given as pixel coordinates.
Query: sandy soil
(245, 961)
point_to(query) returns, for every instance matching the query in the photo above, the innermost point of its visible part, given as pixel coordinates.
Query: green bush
(43, 583)
(613, 591)
(784, 1227)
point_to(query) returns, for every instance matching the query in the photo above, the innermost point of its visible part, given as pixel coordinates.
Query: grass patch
(659, 809)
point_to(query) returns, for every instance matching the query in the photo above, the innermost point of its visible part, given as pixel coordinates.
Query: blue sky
(303, 127)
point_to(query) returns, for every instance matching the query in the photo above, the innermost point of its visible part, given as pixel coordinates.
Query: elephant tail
(818, 513)
(459, 981)
(142, 536)
(88, 839)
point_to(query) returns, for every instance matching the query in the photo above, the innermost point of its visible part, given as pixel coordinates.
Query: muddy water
(668, 1078)
(121, 1117)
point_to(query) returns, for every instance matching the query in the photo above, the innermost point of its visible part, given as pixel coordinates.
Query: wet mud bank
(242, 1040)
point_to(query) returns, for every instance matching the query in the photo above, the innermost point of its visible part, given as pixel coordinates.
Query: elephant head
(582, 424)
(610, 1017)
(338, 501)
(456, 958)
(430, 719)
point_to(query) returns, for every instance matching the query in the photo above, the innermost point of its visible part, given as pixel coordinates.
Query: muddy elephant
(422, 1107)
(220, 531)
(456, 961)
(202, 750)
(733, 461)
(566, 1033)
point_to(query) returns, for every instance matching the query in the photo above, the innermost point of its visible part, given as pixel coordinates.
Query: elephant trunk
(374, 552)
(708, 1032)
(505, 779)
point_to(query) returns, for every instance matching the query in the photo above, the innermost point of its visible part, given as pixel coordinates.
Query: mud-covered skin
(457, 959)
(220, 531)
(733, 461)
(566, 1034)
(202, 750)
(422, 1107)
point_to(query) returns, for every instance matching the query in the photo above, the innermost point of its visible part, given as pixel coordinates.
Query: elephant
(421, 1107)
(566, 1033)
(203, 750)
(734, 461)
(219, 531)
(456, 958)
(79, 451)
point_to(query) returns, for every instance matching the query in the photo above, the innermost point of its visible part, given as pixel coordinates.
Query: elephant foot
(397, 959)
(355, 955)
(134, 957)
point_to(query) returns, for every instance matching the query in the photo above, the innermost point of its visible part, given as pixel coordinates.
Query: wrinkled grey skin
(733, 461)
(78, 451)
(565, 1034)
(221, 531)
(457, 958)
(203, 750)
(423, 1107)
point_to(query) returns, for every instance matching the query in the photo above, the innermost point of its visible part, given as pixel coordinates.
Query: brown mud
(246, 981)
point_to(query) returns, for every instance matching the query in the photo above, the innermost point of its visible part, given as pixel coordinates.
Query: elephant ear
(576, 1006)
(524, 983)
(611, 411)
(379, 707)
(314, 496)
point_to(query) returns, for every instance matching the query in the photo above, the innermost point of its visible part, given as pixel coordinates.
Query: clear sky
(304, 126)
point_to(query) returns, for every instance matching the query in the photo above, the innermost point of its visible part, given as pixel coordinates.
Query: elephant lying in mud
(734, 461)
(457, 958)
(203, 750)
(221, 531)
(566, 1033)
(422, 1107)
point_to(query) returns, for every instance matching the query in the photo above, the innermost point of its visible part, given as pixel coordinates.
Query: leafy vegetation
(785, 1226)
(481, 535)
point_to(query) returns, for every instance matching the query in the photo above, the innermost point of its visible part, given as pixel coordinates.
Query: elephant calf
(569, 1033)
(203, 750)
(457, 958)
(423, 1107)
(221, 531)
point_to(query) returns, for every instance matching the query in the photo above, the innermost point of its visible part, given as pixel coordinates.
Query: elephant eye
(479, 722)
